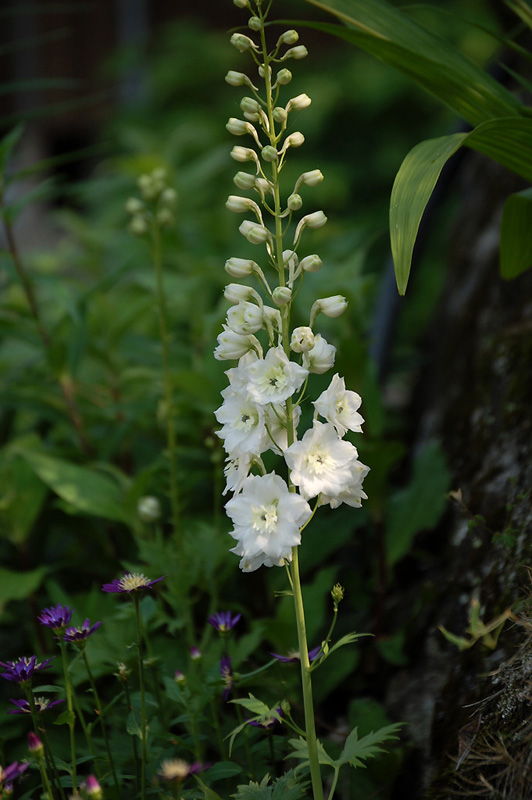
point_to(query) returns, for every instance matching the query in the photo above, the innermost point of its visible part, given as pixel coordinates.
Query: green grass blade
(437, 66)
(411, 191)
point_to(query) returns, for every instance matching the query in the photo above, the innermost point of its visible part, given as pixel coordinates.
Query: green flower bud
(281, 295)
(295, 201)
(285, 706)
(298, 103)
(241, 3)
(311, 263)
(249, 105)
(148, 188)
(134, 205)
(245, 180)
(269, 153)
(138, 225)
(165, 217)
(243, 43)
(284, 76)
(279, 114)
(254, 23)
(337, 594)
(288, 37)
(169, 197)
(254, 232)
(237, 78)
(296, 53)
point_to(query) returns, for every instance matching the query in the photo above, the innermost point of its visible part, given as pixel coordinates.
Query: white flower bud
(262, 72)
(241, 3)
(169, 196)
(240, 267)
(321, 357)
(233, 345)
(294, 140)
(272, 317)
(239, 127)
(311, 263)
(249, 105)
(240, 205)
(165, 217)
(253, 232)
(254, 23)
(149, 509)
(298, 103)
(290, 259)
(245, 154)
(294, 202)
(329, 306)
(134, 205)
(148, 188)
(244, 180)
(315, 220)
(269, 153)
(138, 225)
(311, 178)
(279, 114)
(296, 53)
(245, 318)
(302, 339)
(236, 78)
(243, 43)
(236, 292)
(284, 76)
(281, 295)
(263, 186)
(288, 37)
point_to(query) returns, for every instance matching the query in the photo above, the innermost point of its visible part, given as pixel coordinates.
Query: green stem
(133, 738)
(143, 724)
(46, 755)
(100, 717)
(72, 721)
(306, 680)
(334, 782)
(171, 438)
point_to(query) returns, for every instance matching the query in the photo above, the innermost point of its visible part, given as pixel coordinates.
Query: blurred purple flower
(268, 722)
(92, 787)
(293, 657)
(12, 772)
(223, 621)
(130, 582)
(34, 743)
(21, 670)
(41, 704)
(226, 671)
(176, 769)
(81, 633)
(56, 617)
(195, 653)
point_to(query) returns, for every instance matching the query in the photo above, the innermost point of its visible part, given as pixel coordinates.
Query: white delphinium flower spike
(267, 519)
(275, 378)
(321, 463)
(340, 407)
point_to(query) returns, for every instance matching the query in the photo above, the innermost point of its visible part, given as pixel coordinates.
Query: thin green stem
(46, 755)
(143, 723)
(72, 720)
(100, 717)
(333, 784)
(133, 738)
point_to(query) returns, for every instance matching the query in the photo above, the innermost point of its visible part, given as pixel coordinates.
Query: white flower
(274, 379)
(267, 519)
(352, 494)
(243, 428)
(340, 407)
(321, 462)
(245, 318)
(302, 339)
(233, 345)
(321, 357)
(236, 471)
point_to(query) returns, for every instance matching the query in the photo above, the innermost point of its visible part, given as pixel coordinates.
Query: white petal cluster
(340, 407)
(267, 520)
(275, 378)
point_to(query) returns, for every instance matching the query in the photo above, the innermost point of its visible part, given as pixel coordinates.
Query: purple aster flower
(130, 582)
(56, 617)
(81, 633)
(270, 721)
(295, 656)
(226, 671)
(21, 670)
(223, 621)
(12, 772)
(41, 704)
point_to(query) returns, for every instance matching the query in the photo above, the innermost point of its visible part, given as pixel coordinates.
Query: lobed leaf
(357, 750)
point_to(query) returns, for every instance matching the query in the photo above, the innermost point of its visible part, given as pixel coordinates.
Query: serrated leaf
(516, 238)
(357, 750)
(301, 751)
(287, 787)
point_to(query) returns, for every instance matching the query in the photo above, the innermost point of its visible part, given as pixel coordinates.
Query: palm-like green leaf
(392, 36)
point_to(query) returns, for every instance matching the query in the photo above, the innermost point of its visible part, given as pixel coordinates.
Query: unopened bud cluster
(261, 408)
(155, 205)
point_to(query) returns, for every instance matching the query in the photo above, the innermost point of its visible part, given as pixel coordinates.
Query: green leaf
(253, 705)
(357, 750)
(301, 751)
(287, 787)
(7, 145)
(392, 36)
(66, 718)
(411, 191)
(85, 489)
(420, 505)
(516, 237)
(21, 498)
(19, 585)
(508, 141)
(134, 723)
(208, 793)
(349, 638)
